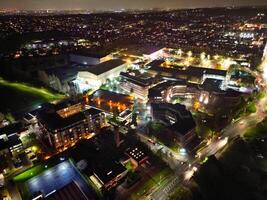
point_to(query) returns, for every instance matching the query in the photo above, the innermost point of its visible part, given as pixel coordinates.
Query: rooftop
(70, 191)
(140, 50)
(94, 52)
(136, 77)
(105, 66)
(52, 120)
(108, 172)
(184, 120)
(137, 153)
(110, 101)
(12, 128)
(156, 90)
(189, 71)
(92, 111)
(155, 63)
(101, 154)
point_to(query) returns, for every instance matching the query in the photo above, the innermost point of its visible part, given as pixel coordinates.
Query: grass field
(260, 130)
(154, 181)
(18, 98)
(24, 176)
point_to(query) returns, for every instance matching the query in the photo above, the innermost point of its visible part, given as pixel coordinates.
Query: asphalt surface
(236, 128)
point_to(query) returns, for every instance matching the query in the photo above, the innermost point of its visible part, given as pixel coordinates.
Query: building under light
(93, 77)
(190, 74)
(169, 89)
(137, 155)
(113, 104)
(137, 83)
(66, 123)
(10, 143)
(178, 120)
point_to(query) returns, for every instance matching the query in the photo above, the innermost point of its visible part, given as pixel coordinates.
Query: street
(214, 147)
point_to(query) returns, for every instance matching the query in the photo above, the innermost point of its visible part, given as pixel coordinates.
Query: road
(214, 147)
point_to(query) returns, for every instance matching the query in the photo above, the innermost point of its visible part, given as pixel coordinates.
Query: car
(17, 163)
(151, 141)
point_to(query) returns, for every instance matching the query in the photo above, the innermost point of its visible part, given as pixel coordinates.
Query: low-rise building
(93, 77)
(101, 160)
(89, 56)
(109, 176)
(190, 74)
(10, 142)
(61, 78)
(137, 155)
(113, 104)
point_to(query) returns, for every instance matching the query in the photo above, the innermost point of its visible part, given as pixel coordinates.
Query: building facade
(63, 128)
(95, 76)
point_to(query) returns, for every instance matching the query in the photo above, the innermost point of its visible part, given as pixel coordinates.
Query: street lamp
(189, 54)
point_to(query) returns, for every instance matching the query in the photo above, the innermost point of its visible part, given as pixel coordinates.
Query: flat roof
(110, 101)
(137, 153)
(105, 66)
(185, 121)
(52, 120)
(64, 104)
(94, 53)
(101, 154)
(70, 191)
(108, 172)
(155, 63)
(141, 50)
(92, 111)
(12, 128)
(201, 70)
(142, 79)
(189, 71)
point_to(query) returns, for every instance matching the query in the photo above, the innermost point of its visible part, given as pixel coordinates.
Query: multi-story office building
(137, 84)
(178, 120)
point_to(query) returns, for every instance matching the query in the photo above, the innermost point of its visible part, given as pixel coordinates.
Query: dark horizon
(103, 5)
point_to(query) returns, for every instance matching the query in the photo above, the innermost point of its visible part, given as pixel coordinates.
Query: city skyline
(119, 4)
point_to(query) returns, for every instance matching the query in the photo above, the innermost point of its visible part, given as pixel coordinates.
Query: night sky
(120, 4)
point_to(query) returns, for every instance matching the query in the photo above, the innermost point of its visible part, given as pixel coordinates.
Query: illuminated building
(109, 176)
(169, 89)
(137, 84)
(10, 143)
(102, 159)
(190, 74)
(145, 52)
(113, 104)
(63, 126)
(178, 120)
(96, 75)
(137, 155)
